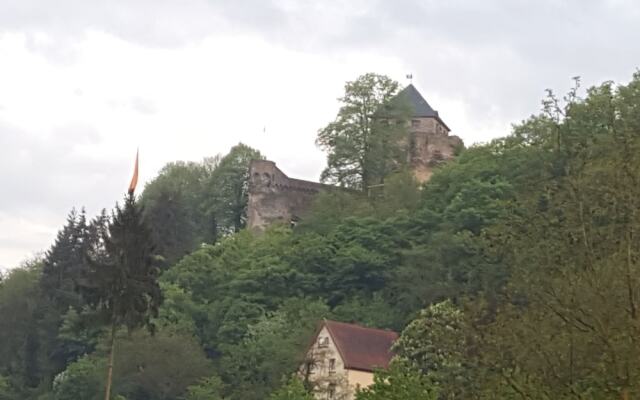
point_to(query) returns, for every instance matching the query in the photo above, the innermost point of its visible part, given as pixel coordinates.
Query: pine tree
(61, 268)
(121, 284)
(63, 262)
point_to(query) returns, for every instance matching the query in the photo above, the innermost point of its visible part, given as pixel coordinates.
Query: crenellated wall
(276, 198)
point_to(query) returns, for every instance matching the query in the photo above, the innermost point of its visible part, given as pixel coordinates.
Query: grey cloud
(497, 56)
(149, 22)
(53, 173)
(503, 54)
(43, 177)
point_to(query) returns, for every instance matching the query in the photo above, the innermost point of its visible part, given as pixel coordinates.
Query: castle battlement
(276, 198)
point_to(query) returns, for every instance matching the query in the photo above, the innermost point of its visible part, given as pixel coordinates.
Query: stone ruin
(276, 198)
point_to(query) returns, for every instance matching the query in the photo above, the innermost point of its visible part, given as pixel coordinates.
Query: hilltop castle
(274, 197)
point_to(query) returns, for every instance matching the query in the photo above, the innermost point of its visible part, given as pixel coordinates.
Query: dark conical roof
(420, 107)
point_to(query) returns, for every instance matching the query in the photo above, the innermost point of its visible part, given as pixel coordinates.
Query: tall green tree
(227, 189)
(122, 286)
(158, 367)
(191, 203)
(173, 208)
(63, 266)
(63, 263)
(569, 325)
(20, 356)
(435, 345)
(273, 348)
(364, 143)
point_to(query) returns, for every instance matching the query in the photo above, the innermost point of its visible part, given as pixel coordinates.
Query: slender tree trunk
(112, 345)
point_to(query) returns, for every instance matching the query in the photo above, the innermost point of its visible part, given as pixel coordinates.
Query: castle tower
(429, 143)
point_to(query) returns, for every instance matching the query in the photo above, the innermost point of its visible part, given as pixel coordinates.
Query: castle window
(412, 146)
(267, 179)
(331, 391)
(415, 123)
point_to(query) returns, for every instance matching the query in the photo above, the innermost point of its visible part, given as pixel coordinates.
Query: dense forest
(513, 273)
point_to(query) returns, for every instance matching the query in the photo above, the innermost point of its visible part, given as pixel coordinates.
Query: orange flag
(134, 179)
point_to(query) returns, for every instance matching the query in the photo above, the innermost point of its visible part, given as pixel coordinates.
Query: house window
(331, 391)
(415, 123)
(332, 365)
(323, 342)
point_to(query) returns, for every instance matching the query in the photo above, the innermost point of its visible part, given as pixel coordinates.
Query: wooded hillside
(514, 273)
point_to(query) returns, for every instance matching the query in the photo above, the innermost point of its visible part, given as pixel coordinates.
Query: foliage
(19, 340)
(568, 324)
(83, 379)
(158, 367)
(226, 189)
(292, 390)
(64, 262)
(62, 314)
(273, 347)
(512, 273)
(435, 345)
(363, 147)
(120, 282)
(172, 203)
(399, 384)
(207, 389)
(7, 391)
(191, 203)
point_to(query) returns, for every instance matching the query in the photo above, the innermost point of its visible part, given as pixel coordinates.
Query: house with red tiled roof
(343, 357)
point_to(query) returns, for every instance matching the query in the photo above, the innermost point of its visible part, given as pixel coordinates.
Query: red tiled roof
(362, 348)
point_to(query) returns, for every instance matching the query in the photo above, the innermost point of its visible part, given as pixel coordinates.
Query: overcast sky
(85, 82)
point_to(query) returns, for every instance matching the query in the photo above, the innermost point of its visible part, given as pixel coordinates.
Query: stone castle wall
(276, 198)
(429, 146)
